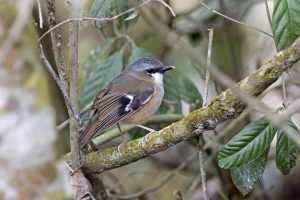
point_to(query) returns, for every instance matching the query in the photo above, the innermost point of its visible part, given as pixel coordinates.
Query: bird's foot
(147, 137)
(93, 146)
(120, 145)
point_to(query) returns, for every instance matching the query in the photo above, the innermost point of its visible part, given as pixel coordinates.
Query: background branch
(74, 129)
(57, 45)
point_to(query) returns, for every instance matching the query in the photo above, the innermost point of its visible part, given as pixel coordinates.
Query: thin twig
(167, 6)
(40, 14)
(60, 86)
(106, 18)
(234, 20)
(202, 170)
(200, 142)
(268, 13)
(284, 91)
(66, 123)
(207, 76)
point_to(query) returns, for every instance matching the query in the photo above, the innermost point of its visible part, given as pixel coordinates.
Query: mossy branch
(223, 107)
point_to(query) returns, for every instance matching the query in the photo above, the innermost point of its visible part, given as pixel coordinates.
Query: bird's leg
(93, 146)
(122, 136)
(122, 133)
(146, 128)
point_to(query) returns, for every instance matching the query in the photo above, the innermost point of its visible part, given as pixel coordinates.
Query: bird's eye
(150, 71)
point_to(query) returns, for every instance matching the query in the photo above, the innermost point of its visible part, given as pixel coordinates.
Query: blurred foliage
(286, 151)
(107, 8)
(286, 22)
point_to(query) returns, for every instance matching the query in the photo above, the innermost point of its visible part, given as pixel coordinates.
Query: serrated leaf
(247, 176)
(286, 151)
(102, 9)
(101, 76)
(286, 22)
(97, 56)
(247, 145)
(189, 93)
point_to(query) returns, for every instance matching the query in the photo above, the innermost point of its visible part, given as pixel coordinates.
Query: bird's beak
(166, 68)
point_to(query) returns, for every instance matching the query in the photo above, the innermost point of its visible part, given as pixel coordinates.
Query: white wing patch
(127, 108)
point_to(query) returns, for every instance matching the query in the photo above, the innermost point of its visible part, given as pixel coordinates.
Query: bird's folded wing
(112, 108)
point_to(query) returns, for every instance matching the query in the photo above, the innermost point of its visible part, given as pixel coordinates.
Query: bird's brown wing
(112, 108)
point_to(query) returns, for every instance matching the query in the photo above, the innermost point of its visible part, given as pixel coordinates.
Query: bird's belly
(147, 111)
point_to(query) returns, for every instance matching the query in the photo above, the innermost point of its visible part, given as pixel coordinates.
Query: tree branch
(74, 129)
(60, 86)
(57, 44)
(223, 107)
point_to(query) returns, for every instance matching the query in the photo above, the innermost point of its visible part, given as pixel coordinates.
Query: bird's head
(149, 68)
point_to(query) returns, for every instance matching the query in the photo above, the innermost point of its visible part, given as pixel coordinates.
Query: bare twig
(65, 123)
(60, 85)
(106, 18)
(57, 45)
(207, 76)
(40, 14)
(200, 142)
(285, 104)
(202, 170)
(268, 13)
(73, 44)
(167, 6)
(234, 20)
(24, 10)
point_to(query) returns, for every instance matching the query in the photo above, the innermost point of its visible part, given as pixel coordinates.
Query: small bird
(131, 98)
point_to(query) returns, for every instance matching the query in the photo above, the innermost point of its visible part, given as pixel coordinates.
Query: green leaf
(286, 151)
(189, 93)
(286, 22)
(247, 176)
(247, 145)
(102, 75)
(97, 56)
(106, 8)
(102, 9)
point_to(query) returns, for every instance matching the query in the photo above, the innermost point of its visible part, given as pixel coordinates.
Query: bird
(131, 98)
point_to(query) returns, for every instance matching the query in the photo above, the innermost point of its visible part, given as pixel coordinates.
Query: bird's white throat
(158, 78)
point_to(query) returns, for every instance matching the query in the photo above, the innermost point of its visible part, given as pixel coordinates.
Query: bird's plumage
(124, 99)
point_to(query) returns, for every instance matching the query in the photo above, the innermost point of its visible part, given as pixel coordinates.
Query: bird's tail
(86, 137)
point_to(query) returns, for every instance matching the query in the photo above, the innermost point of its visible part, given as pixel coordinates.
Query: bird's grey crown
(144, 63)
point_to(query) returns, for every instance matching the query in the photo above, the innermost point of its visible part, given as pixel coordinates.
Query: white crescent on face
(158, 78)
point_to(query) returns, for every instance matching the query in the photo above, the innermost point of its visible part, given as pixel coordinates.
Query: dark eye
(150, 71)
